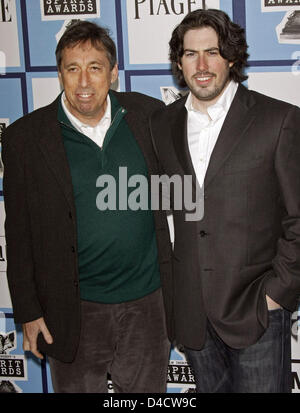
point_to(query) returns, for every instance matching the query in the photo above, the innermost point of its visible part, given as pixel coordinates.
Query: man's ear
(114, 73)
(60, 77)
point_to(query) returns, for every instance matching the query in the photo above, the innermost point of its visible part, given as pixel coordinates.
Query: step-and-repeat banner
(29, 32)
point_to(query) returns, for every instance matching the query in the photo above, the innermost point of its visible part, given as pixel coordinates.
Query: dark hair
(83, 31)
(232, 42)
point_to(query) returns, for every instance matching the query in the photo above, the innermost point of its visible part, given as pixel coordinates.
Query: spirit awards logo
(180, 375)
(295, 330)
(279, 5)
(12, 367)
(2, 128)
(170, 94)
(288, 31)
(6, 11)
(67, 9)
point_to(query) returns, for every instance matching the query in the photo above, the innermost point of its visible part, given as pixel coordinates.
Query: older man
(85, 282)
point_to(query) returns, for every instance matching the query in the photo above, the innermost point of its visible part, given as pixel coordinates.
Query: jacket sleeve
(20, 262)
(283, 283)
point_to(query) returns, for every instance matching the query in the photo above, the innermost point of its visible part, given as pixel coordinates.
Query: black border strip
(119, 34)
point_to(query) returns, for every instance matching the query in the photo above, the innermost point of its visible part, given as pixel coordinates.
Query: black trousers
(127, 340)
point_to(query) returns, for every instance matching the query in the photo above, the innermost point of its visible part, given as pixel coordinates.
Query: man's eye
(72, 69)
(189, 54)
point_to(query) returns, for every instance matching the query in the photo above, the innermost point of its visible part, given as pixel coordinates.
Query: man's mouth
(203, 79)
(84, 95)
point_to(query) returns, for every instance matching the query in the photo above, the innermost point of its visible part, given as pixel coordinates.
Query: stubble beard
(205, 93)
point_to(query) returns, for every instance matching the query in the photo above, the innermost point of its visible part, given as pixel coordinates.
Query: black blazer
(40, 221)
(248, 243)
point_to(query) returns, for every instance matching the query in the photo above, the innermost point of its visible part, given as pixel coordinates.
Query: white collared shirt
(203, 130)
(96, 133)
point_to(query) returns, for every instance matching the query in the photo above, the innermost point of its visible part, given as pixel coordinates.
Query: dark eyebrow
(94, 62)
(210, 49)
(70, 64)
(189, 50)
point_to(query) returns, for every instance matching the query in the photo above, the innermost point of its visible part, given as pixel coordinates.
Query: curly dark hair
(81, 31)
(232, 43)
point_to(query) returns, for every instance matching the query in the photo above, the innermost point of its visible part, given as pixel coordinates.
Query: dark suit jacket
(248, 243)
(41, 221)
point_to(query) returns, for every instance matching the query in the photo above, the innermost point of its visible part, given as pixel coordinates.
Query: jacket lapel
(178, 122)
(141, 135)
(51, 145)
(138, 126)
(237, 121)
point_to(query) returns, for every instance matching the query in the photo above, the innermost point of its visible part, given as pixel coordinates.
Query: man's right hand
(31, 331)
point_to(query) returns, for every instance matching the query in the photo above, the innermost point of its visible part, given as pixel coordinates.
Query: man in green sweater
(86, 281)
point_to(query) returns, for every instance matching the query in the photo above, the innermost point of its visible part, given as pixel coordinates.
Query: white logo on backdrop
(67, 9)
(279, 5)
(12, 367)
(288, 30)
(170, 94)
(180, 373)
(150, 25)
(9, 30)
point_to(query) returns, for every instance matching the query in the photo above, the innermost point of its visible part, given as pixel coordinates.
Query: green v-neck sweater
(117, 251)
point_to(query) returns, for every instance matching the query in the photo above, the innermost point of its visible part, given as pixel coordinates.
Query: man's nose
(84, 78)
(202, 65)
